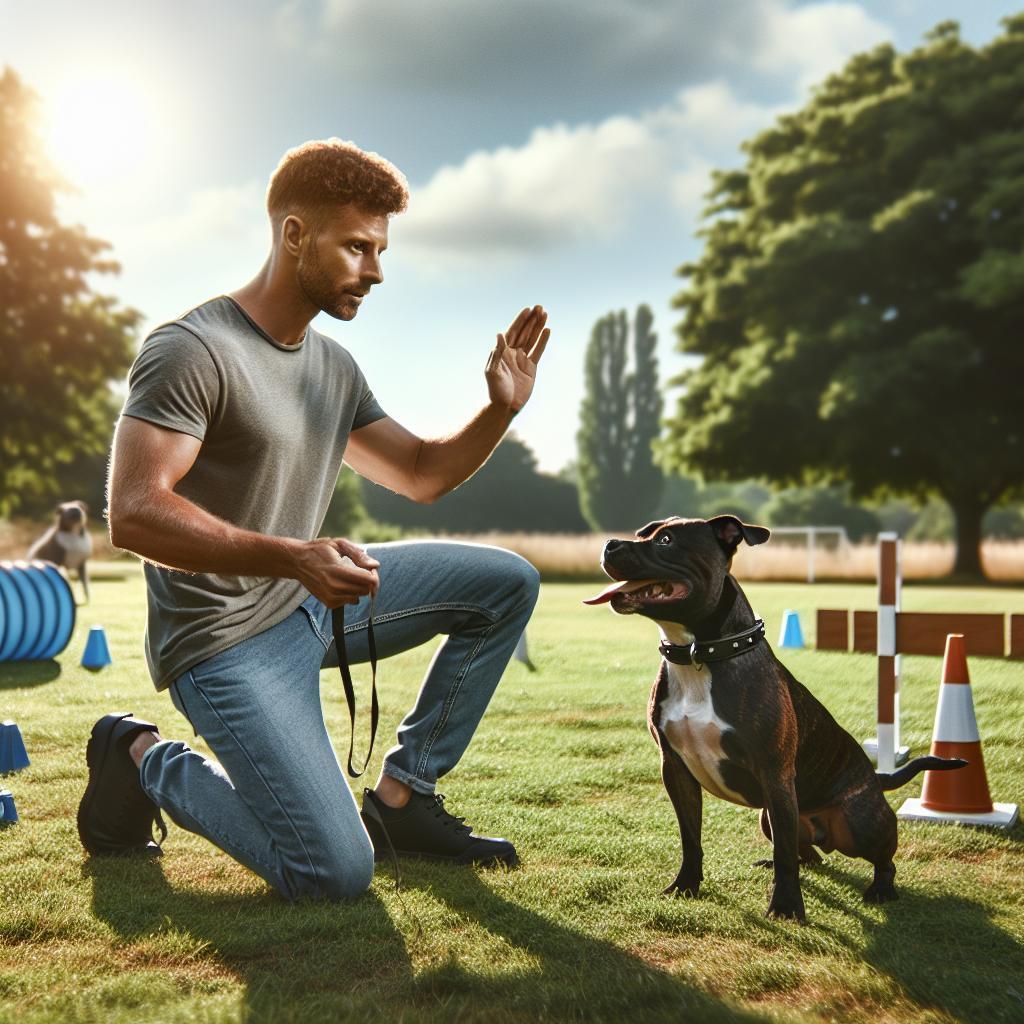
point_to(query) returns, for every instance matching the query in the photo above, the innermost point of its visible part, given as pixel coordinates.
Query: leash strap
(702, 652)
(338, 619)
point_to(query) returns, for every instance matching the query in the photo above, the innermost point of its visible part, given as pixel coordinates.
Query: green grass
(564, 765)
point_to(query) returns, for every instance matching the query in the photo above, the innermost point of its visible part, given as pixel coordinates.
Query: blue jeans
(278, 801)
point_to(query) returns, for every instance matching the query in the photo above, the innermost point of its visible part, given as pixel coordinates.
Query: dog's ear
(646, 531)
(730, 531)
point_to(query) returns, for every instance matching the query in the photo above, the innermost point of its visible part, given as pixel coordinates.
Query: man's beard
(316, 285)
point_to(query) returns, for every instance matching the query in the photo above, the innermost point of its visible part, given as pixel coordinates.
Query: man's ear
(730, 531)
(646, 531)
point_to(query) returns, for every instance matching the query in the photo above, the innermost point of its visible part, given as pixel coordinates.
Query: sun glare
(99, 128)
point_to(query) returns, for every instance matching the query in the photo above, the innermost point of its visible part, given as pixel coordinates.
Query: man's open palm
(512, 364)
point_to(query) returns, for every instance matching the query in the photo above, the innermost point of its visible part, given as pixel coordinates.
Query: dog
(67, 542)
(729, 717)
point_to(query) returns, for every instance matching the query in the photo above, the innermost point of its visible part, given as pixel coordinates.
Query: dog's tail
(893, 780)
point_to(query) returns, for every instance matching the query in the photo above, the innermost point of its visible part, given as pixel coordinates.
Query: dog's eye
(665, 538)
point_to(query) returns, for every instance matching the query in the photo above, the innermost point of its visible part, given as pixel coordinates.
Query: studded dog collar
(702, 652)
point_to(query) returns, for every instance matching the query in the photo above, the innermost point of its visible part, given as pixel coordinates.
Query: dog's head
(72, 516)
(675, 570)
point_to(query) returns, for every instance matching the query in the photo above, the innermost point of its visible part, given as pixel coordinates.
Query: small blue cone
(13, 756)
(791, 635)
(8, 812)
(97, 654)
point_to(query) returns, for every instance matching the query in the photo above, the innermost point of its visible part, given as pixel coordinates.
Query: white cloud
(583, 183)
(815, 40)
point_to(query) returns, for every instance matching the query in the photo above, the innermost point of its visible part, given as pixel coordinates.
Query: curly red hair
(326, 173)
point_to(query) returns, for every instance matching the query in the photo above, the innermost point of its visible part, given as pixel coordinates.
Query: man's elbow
(123, 526)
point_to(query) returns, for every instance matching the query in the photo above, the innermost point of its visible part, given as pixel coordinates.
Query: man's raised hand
(512, 364)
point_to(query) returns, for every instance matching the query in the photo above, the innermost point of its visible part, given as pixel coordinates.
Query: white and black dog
(730, 718)
(67, 542)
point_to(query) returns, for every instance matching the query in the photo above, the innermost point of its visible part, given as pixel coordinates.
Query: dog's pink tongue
(615, 588)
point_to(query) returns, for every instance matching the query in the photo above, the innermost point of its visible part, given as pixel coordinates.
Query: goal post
(813, 534)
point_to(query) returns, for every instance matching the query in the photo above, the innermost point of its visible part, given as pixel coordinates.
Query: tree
(60, 343)
(506, 493)
(859, 298)
(620, 418)
(821, 506)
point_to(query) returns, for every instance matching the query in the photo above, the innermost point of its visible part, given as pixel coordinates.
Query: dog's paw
(682, 886)
(884, 892)
(786, 906)
(769, 863)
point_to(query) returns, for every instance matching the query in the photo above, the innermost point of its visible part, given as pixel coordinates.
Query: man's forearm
(170, 530)
(444, 463)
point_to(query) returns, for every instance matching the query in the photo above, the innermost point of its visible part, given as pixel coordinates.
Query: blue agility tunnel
(37, 611)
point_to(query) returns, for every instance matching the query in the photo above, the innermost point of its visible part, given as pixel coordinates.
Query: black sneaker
(115, 816)
(424, 829)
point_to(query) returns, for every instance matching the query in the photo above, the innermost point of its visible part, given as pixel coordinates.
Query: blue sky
(557, 152)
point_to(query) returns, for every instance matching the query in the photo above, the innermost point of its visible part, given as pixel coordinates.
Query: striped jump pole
(885, 747)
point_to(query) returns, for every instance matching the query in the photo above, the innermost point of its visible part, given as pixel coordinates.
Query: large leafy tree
(60, 343)
(620, 418)
(859, 299)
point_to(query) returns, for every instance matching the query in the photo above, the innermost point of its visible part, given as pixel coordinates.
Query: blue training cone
(8, 812)
(97, 654)
(791, 635)
(13, 756)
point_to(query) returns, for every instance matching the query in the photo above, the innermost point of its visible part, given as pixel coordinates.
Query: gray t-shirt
(274, 421)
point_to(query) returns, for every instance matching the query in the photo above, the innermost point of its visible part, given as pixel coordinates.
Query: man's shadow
(309, 962)
(338, 961)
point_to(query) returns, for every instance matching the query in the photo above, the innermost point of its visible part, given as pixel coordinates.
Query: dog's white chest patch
(693, 729)
(77, 547)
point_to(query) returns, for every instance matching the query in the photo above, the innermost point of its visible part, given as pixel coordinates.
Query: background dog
(67, 542)
(731, 719)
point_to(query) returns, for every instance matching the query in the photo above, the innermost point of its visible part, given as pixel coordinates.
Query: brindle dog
(730, 718)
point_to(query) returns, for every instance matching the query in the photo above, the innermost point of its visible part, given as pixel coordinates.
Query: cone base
(871, 749)
(1002, 815)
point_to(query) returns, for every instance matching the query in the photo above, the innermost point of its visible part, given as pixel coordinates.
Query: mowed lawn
(563, 764)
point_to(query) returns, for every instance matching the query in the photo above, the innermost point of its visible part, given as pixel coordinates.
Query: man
(225, 458)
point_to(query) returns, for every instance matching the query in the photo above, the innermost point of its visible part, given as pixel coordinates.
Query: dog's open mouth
(630, 595)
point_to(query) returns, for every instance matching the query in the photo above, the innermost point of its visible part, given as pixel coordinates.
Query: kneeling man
(225, 457)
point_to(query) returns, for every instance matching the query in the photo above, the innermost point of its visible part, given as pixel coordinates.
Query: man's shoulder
(204, 321)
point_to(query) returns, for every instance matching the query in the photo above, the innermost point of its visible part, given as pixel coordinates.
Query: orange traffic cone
(961, 795)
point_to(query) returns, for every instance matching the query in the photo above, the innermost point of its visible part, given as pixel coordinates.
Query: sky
(557, 153)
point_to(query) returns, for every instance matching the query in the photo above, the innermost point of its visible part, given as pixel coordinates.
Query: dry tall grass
(567, 556)
(578, 556)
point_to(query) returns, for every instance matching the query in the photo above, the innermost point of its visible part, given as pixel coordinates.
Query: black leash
(369, 808)
(338, 618)
(702, 652)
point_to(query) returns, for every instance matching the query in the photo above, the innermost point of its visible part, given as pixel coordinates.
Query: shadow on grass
(17, 674)
(576, 977)
(944, 951)
(317, 961)
(307, 962)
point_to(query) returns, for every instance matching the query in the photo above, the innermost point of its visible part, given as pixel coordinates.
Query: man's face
(341, 262)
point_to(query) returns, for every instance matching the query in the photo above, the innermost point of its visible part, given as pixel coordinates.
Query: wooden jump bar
(922, 632)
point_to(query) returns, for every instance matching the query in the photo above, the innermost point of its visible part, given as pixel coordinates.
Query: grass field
(563, 765)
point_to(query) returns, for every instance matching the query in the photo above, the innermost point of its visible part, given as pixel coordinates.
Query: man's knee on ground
(343, 877)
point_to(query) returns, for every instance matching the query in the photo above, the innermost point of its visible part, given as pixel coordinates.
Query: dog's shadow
(342, 961)
(919, 942)
(15, 675)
